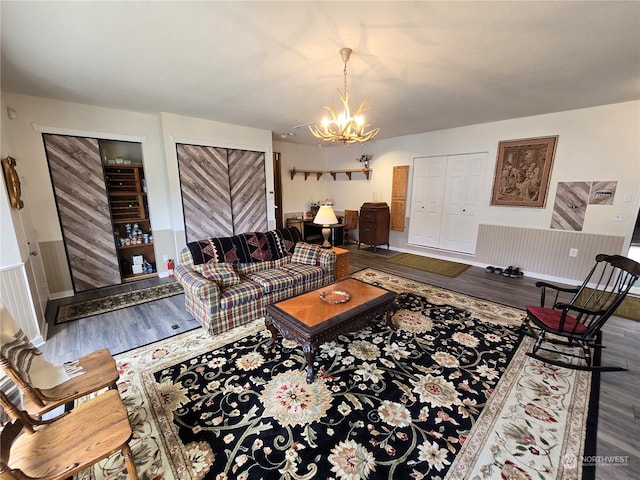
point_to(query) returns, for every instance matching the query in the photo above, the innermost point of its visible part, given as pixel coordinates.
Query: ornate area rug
(448, 393)
(75, 311)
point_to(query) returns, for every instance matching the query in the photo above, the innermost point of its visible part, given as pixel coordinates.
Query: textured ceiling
(273, 65)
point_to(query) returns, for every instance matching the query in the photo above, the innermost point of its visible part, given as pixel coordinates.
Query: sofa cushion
(274, 280)
(306, 254)
(308, 277)
(245, 269)
(221, 273)
(289, 237)
(244, 248)
(244, 292)
(264, 246)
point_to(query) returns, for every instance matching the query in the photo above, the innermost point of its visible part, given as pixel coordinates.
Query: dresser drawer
(341, 266)
(368, 216)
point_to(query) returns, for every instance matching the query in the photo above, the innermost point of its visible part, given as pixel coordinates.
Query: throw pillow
(221, 273)
(305, 253)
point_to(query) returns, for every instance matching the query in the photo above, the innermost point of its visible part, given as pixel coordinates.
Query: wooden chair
(99, 372)
(578, 321)
(43, 386)
(59, 448)
(350, 222)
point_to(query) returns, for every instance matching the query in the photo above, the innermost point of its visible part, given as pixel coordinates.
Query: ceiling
(272, 65)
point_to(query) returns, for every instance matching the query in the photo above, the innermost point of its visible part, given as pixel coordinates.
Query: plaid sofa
(229, 281)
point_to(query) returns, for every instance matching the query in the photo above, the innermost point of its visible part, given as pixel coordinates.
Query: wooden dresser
(373, 226)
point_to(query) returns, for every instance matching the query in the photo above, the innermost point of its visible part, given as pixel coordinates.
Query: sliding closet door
(223, 191)
(248, 191)
(204, 182)
(83, 208)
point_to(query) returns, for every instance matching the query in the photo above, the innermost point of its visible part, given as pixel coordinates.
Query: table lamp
(325, 217)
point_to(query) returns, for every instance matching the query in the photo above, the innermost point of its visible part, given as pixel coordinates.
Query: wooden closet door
(204, 183)
(83, 209)
(248, 191)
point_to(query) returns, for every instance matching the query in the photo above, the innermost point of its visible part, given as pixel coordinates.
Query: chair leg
(587, 354)
(527, 329)
(132, 473)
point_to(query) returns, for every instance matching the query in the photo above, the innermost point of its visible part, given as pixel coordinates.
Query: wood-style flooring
(619, 405)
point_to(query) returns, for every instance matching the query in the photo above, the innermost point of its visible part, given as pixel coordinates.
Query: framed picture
(522, 172)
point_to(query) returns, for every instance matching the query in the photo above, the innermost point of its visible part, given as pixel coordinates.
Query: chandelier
(347, 126)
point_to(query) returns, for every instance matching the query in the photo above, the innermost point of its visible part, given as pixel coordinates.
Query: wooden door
(399, 197)
(204, 183)
(223, 191)
(83, 208)
(429, 177)
(247, 186)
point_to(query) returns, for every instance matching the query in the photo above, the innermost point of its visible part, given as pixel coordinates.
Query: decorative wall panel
(570, 205)
(204, 183)
(81, 198)
(247, 184)
(223, 191)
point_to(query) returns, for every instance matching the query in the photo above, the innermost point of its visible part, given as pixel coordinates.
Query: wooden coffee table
(311, 321)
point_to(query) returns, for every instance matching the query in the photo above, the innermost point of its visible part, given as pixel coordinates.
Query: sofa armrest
(198, 287)
(327, 260)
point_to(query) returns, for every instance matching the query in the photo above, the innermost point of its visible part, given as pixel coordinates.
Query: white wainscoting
(16, 296)
(545, 252)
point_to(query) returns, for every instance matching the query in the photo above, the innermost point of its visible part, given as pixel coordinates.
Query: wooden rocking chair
(59, 448)
(578, 322)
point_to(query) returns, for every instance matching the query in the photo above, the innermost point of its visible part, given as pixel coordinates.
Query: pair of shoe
(496, 270)
(512, 272)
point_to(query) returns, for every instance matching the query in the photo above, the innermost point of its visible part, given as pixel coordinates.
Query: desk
(312, 233)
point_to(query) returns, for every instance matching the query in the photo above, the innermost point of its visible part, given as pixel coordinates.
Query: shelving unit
(318, 173)
(130, 217)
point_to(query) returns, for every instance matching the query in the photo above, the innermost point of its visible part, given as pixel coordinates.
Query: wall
(297, 192)
(599, 143)
(18, 282)
(157, 133)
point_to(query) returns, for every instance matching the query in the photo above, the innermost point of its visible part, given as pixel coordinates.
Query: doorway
(634, 251)
(277, 188)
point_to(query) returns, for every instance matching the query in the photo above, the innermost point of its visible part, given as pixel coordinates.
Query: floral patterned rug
(447, 393)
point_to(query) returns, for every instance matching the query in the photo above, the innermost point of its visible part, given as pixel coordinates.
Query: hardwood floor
(618, 431)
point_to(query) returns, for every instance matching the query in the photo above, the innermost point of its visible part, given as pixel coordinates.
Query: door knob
(33, 254)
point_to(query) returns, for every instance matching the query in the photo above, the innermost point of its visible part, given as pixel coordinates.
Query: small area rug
(448, 394)
(629, 308)
(428, 264)
(87, 308)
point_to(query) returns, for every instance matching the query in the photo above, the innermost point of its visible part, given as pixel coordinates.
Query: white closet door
(459, 227)
(429, 178)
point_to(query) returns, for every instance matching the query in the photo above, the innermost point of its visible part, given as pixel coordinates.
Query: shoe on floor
(497, 271)
(489, 269)
(508, 271)
(516, 273)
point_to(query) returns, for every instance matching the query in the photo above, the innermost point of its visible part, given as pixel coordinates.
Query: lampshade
(325, 216)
